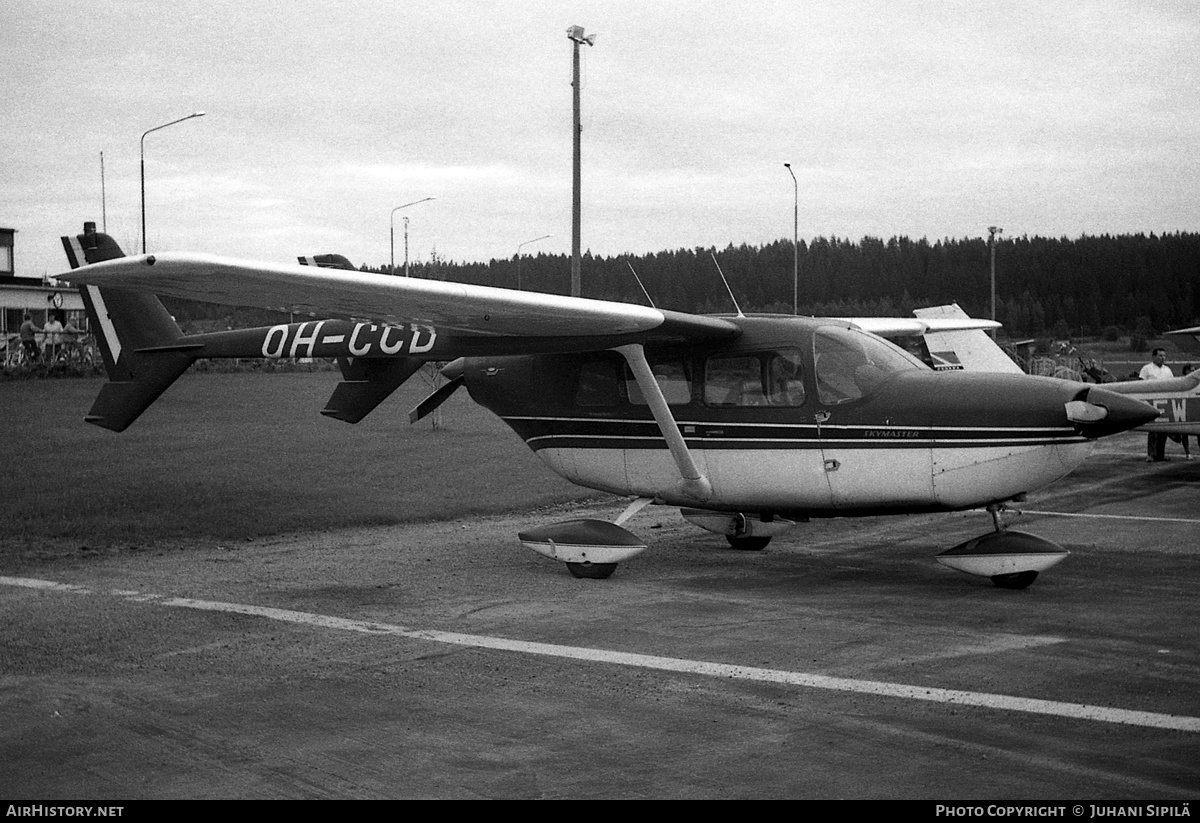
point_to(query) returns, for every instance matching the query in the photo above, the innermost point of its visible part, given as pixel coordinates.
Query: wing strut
(693, 483)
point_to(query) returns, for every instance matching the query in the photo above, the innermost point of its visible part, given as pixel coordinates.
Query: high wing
(379, 328)
(1188, 339)
(466, 310)
(921, 325)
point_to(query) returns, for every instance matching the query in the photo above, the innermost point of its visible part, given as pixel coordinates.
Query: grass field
(229, 456)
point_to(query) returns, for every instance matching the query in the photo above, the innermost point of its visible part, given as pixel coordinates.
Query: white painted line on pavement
(1115, 516)
(1078, 711)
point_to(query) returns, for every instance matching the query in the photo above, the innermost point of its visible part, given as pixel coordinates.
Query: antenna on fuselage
(649, 299)
(726, 282)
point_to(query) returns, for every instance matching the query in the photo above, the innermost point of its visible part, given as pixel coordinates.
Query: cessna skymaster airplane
(748, 424)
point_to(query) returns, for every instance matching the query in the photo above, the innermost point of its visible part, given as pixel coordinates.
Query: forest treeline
(1058, 286)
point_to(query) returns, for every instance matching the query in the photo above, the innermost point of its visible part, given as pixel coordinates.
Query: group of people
(53, 333)
(1156, 442)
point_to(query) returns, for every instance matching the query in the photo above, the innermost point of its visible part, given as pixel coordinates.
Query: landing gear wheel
(592, 571)
(1016, 580)
(748, 544)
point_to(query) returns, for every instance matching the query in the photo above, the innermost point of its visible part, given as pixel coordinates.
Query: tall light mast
(992, 232)
(795, 240)
(143, 150)
(576, 36)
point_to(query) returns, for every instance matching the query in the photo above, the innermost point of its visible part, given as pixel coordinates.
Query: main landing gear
(1011, 559)
(745, 532)
(748, 544)
(591, 549)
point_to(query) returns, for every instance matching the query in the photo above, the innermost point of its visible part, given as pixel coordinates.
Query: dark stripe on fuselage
(618, 433)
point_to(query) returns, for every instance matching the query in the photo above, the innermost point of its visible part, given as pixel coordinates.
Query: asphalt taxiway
(444, 660)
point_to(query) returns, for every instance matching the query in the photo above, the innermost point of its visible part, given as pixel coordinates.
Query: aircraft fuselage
(910, 440)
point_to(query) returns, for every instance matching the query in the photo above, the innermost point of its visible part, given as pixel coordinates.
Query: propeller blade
(434, 400)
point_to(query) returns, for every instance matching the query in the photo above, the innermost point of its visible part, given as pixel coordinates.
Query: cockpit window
(851, 364)
(772, 378)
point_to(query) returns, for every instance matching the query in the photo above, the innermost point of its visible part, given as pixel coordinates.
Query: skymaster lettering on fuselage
(332, 338)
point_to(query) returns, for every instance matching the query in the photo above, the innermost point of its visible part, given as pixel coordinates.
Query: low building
(33, 295)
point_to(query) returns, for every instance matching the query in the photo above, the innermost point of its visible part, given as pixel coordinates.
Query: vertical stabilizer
(142, 347)
(964, 350)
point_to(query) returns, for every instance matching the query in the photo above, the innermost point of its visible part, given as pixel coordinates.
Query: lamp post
(576, 36)
(156, 128)
(992, 232)
(795, 241)
(519, 247)
(392, 234)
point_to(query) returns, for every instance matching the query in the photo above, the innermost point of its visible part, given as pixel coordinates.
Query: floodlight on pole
(795, 241)
(992, 232)
(392, 234)
(156, 128)
(519, 247)
(576, 36)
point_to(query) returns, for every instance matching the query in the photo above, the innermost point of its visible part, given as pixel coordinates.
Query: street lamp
(795, 241)
(992, 232)
(156, 128)
(392, 221)
(576, 36)
(519, 246)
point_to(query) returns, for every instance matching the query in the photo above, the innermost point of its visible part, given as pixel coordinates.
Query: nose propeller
(1097, 412)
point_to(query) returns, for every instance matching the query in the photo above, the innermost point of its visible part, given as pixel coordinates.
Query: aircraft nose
(1097, 412)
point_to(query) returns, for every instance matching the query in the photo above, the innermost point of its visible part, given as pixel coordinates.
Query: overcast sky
(926, 119)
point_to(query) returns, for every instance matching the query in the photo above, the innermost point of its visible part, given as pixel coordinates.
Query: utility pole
(992, 232)
(575, 35)
(795, 241)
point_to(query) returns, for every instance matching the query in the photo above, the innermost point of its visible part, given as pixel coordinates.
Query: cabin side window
(600, 383)
(773, 378)
(674, 378)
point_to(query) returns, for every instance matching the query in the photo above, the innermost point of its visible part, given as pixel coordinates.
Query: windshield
(851, 363)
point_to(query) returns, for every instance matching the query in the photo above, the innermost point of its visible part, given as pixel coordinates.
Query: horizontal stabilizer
(368, 382)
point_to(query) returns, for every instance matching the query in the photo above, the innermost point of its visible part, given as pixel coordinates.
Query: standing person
(53, 330)
(1156, 369)
(29, 333)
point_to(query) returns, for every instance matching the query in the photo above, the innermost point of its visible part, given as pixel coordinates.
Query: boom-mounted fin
(143, 349)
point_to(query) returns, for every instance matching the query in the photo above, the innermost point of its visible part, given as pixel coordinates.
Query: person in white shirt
(53, 330)
(1156, 369)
